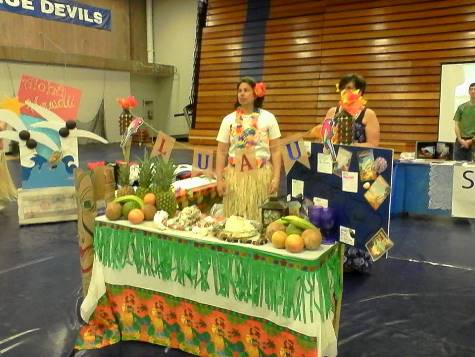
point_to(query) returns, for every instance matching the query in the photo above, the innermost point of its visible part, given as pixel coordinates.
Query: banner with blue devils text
(64, 10)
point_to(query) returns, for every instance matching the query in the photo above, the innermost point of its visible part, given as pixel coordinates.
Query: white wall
(174, 39)
(455, 80)
(148, 88)
(94, 85)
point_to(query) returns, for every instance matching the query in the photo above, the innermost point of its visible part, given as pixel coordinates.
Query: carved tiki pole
(89, 189)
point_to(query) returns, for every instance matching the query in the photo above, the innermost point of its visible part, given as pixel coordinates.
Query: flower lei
(351, 101)
(245, 137)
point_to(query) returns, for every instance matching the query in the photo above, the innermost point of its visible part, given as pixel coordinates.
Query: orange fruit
(294, 243)
(278, 239)
(136, 216)
(149, 199)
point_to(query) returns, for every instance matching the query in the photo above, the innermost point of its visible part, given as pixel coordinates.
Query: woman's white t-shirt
(253, 132)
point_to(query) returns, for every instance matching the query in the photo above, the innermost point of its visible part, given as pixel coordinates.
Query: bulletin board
(366, 211)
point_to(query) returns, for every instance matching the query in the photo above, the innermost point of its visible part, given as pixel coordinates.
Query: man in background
(465, 128)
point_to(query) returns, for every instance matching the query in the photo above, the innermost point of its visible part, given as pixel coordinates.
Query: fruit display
(294, 243)
(294, 234)
(136, 216)
(149, 198)
(124, 181)
(272, 228)
(113, 211)
(312, 238)
(146, 173)
(162, 185)
(149, 211)
(130, 207)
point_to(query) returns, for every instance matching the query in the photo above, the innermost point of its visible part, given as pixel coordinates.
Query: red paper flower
(352, 101)
(260, 89)
(128, 102)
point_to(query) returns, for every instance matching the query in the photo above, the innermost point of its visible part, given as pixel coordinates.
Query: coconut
(272, 228)
(113, 211)
(149, 211)
(312, 238)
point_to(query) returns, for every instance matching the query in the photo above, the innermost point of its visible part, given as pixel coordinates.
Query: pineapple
(145, 175)
(124, 183)
(164, 194)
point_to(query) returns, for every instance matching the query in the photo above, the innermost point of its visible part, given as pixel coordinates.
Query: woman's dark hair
(358, 80)
(258, 101)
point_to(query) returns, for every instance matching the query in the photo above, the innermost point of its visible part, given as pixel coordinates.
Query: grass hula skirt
(246, 191)
(8, 190)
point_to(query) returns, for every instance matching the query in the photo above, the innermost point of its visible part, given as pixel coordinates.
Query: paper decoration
(292, 152)
(378, 192)
(60, 99)
(203, 160)
(320, 202)
(47, 158)
(163, 146)
(246, 160)
(379, 244)
(343, 160)
(328, 136)
(11, 104)
(349, 181)
(324, 163)
(366, 165)
(297, 188)
(347, 235)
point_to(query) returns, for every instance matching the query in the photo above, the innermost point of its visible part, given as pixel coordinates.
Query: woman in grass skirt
(250, 131)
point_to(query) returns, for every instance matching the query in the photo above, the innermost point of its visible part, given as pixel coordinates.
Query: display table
(411, 190)
(208, 297)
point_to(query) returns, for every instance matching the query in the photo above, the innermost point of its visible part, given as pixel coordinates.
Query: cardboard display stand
(368, 171)
(49, 204)
(48, 143)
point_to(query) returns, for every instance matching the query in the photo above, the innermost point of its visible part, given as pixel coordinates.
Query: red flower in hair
(260, 89)
(128, 102)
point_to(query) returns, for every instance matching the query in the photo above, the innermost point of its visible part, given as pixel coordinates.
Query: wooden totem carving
(91, 187)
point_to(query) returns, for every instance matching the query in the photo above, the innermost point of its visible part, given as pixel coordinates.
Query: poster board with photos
(366, 211)
(434, 150)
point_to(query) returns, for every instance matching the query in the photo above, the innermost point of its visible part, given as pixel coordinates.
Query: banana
(299, 222)
(126, 198)
(282, 221)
